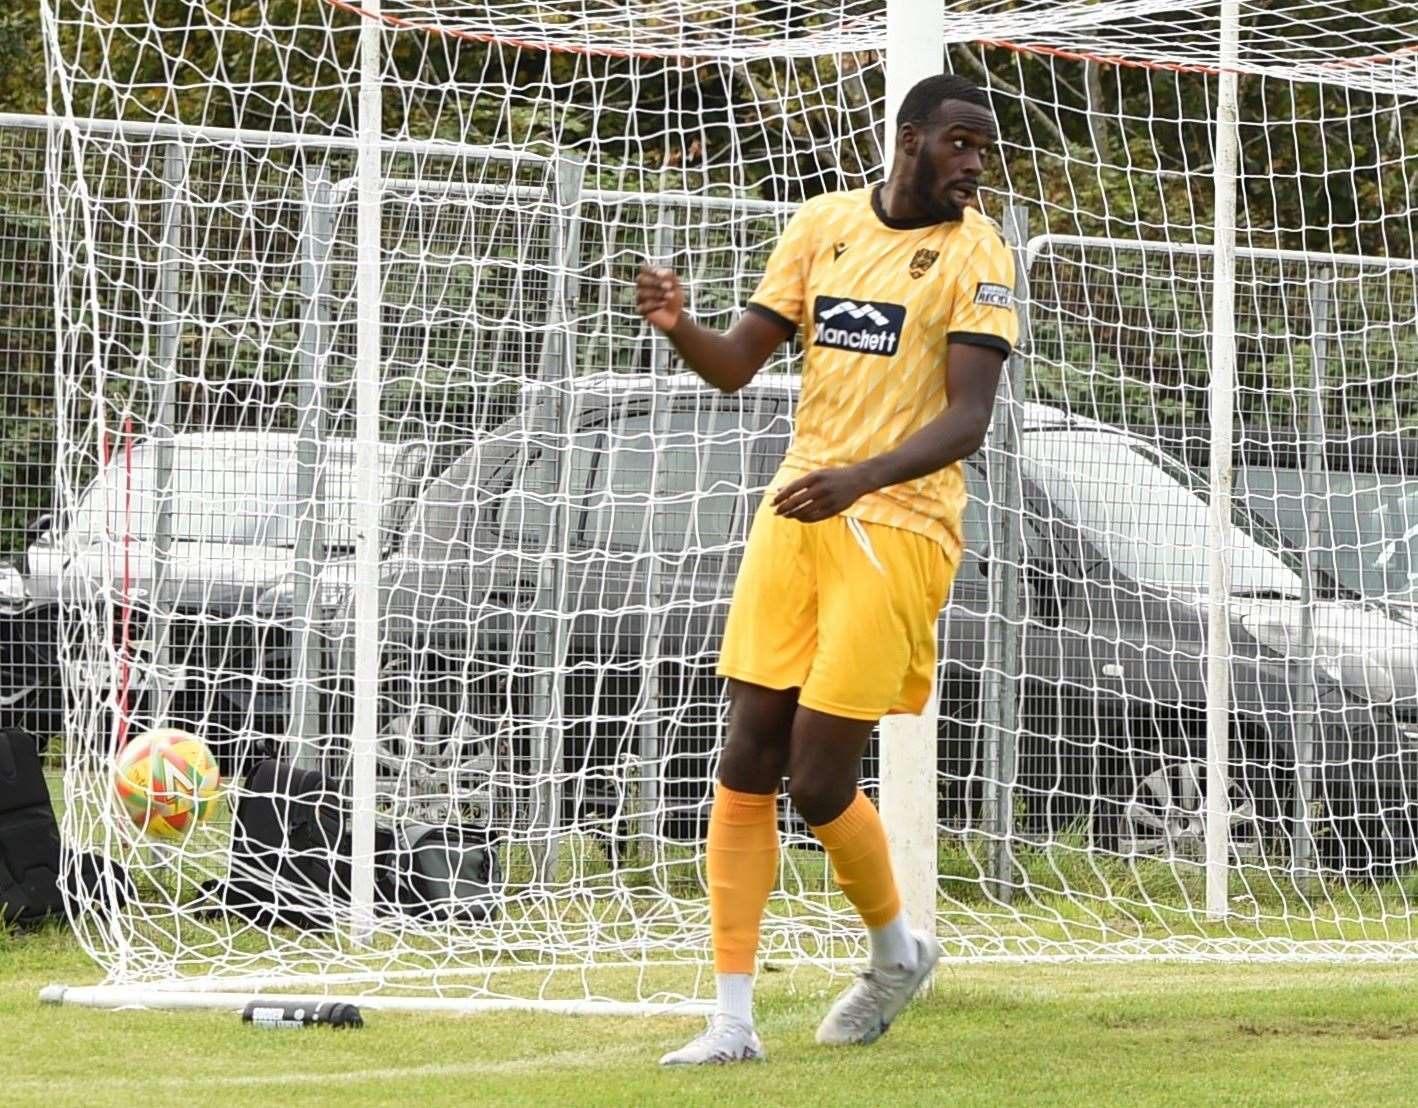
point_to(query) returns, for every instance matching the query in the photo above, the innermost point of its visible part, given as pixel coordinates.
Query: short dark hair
(925, 96)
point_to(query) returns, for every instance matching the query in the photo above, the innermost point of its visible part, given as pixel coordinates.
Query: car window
(498, 494)
(242, 494)
(1150, 521)
(1366, 524)
(684, 490)
(524, 505)
(513, 504)
(1039, 540)
(447, 508)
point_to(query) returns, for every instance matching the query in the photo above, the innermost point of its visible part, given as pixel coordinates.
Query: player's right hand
(659, 297)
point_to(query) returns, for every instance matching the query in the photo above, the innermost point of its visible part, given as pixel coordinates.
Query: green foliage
(20, 91)
(26, 330)
(1122, 152)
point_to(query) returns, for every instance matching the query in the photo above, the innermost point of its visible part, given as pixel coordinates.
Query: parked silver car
(652, 489)
(197, 655)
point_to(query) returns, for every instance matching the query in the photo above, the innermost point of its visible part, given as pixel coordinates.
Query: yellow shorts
(842, 610)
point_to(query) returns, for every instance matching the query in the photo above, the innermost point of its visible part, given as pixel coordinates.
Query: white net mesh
(563, 511)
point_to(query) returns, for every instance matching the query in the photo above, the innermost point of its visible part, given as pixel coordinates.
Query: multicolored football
(167, 782)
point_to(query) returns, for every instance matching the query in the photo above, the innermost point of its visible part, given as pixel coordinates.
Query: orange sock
(861, 862)
(742, 864)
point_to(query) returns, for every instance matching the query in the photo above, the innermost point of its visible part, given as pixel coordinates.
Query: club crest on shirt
(922, 261)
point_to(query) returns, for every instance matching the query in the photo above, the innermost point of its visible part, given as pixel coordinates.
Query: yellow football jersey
(879, 301)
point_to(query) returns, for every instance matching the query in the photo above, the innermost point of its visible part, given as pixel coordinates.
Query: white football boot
(865, 1010)
(726, 1040)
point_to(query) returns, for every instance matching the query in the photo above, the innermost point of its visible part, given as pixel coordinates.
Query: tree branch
(1093, 83)
(1035, 112)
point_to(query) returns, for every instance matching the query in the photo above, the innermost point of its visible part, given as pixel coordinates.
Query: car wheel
(1165, 816)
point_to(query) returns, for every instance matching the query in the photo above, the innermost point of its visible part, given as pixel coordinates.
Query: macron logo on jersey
(862, 328)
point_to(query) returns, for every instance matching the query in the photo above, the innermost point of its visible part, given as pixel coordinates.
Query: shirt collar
(902, 224)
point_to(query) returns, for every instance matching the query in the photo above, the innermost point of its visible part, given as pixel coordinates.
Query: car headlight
(12, 585)
(331, 590)
(1371, 678)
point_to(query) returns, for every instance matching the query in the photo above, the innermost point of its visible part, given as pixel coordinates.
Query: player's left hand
(821, 494)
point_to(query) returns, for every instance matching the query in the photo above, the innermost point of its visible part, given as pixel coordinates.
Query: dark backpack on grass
(30, 869)
(290, 858)
(29, 835)
(290, 850)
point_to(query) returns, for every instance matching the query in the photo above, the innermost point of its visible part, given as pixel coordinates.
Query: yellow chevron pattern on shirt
(878, 302)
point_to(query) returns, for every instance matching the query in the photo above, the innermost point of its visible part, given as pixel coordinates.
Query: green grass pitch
(1071, 1034)
(1084, 1035)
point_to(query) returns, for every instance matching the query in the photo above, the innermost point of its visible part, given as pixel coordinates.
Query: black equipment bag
(29, 835)
(30, 890)
(290, 849)
(448, 872)
(290, 857)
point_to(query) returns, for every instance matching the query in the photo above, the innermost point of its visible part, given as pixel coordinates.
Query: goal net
(371, 478)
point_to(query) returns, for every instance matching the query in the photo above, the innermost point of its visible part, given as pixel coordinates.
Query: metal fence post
(303, 728)
(999, 709)
(553, 632)
(650, 767)
(1312, 434)
(162, 427)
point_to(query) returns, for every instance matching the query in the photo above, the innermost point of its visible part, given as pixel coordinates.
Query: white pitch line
(570, 1059)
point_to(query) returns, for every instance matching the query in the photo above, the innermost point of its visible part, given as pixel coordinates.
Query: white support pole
(123, 997)
(915, 49)
(1222, 396)
(367, 483)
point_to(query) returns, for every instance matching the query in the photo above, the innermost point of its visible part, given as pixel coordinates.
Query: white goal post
(370, 476)
(907, 794)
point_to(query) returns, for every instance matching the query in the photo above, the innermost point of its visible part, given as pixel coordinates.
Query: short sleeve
(780, 295)
(982, 313)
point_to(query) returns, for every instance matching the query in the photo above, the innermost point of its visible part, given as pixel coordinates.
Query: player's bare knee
(753, 763)
(824, 762)
(755, 753)
(821, 797)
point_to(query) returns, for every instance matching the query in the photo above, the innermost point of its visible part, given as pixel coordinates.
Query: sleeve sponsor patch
(993, 296)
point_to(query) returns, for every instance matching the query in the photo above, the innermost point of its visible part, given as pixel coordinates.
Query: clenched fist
(659, 297)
